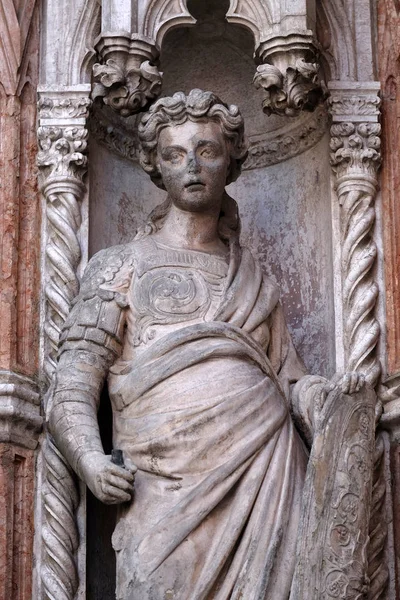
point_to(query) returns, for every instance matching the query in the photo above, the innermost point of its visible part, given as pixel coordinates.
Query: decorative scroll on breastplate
(172, 286)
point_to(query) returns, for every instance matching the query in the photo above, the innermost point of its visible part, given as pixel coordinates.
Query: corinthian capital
(62, 152)
(355, 132)
(62, 134)
(355, 149)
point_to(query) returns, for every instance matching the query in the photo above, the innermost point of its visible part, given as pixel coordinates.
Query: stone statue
(191, 337)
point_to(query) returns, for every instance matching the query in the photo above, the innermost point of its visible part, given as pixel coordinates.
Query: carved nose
(193, 165)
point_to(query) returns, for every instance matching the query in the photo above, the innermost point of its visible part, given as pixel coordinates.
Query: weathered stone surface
(170, 318)
(298, 191)
(20, 420)
(389, 53)
(19, 214)
(16, 521)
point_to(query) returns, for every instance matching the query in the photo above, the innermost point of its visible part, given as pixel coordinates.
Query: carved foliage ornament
(62, 151)
(353, 105)
(61, 108)
(284, 45)
(287, 94)
(355, 147)
(126, 90)
(333, 534)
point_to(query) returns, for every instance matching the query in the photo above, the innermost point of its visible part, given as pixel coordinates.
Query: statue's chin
(196, 198)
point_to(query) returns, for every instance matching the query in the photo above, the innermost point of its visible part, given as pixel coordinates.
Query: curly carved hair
(196, 106)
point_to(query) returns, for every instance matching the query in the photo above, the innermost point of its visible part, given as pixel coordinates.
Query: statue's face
(194, 161)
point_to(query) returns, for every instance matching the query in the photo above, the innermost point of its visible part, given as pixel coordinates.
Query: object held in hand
(117, 457)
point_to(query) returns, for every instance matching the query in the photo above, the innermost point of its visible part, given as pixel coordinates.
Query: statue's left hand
(348, 383)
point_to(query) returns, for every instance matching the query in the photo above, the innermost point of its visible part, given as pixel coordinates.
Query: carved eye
(208, 152)
(173, 156)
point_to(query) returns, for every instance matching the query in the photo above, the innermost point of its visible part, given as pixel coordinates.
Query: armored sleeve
(90, 342)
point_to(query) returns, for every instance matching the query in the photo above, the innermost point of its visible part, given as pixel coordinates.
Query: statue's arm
(90, 343)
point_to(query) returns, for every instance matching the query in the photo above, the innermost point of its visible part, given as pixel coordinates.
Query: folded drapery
(221, 469)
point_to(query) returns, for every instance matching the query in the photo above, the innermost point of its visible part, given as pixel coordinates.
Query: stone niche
(283, 194)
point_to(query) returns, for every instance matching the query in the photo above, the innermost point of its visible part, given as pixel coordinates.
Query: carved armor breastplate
(171, 287)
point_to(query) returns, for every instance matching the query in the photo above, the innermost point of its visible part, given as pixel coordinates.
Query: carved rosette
(355, 159)
(62, 139)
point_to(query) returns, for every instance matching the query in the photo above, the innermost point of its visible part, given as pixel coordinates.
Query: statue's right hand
(109, 483)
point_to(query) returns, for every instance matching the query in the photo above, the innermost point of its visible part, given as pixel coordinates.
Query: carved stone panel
(334, 529)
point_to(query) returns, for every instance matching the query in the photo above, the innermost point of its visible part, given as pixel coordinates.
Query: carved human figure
(191, 337)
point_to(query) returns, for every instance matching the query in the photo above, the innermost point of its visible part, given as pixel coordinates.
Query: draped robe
(200, 405)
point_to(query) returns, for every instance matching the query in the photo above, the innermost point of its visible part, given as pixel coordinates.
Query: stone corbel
(127, 79)
(355, 160)
(289, 74)
(286, 53)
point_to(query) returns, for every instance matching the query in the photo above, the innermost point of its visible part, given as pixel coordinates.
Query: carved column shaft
(355, 159)
(62, 136)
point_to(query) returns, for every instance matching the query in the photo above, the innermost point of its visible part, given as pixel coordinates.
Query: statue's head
(209, 113)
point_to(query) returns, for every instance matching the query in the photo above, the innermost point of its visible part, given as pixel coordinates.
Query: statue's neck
(191, 230)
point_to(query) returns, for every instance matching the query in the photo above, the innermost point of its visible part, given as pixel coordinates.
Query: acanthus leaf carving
(126, 90)
(354, 105)
(289, 93)
(62, 152)
(355, 147)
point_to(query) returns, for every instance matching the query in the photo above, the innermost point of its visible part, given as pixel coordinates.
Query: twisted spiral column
(360, 291)
(60, 496)
(59, 533)
(355, 159)
(63, 255)
(63, 165)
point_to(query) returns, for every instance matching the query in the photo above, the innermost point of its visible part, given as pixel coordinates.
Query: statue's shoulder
(108, 267)
(104, 266)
